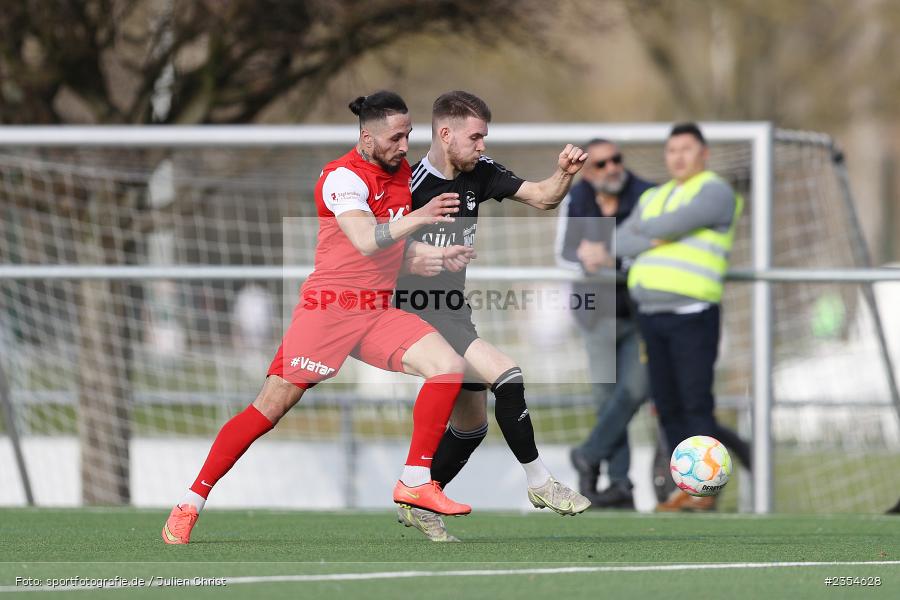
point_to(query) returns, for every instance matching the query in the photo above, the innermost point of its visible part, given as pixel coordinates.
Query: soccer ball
(701, 466)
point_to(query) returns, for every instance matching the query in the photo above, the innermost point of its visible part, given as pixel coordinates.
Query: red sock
(233, 440)
(430, 415)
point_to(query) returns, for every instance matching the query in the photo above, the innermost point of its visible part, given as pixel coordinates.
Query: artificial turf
(94, 543)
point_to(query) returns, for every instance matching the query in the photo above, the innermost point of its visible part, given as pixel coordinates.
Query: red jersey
(351, 183)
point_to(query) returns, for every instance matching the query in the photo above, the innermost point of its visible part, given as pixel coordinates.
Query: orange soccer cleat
(177, 529)
(682, 501)
(429, 496)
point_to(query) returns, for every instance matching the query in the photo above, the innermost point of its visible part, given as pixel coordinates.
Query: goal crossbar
(117, 136)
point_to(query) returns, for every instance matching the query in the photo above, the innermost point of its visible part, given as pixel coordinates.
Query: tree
(803, 62)
(211, 61)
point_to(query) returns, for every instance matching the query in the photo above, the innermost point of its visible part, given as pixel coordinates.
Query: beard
(611, 187)
(388, 166)
(463, 166)
(380, 157)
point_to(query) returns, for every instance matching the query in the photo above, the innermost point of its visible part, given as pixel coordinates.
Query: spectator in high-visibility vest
(680, 236)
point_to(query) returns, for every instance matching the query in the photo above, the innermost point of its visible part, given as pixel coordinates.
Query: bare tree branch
(798, 61)
(232, 59)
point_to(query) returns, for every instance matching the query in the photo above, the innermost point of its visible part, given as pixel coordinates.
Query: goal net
(116, 383)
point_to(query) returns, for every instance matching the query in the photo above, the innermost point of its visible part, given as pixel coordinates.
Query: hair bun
(356, 105)
(377, 106)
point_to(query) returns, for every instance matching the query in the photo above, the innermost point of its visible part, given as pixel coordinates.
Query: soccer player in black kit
(456, 163)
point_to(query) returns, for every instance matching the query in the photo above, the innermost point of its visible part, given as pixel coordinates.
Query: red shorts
(318, 341)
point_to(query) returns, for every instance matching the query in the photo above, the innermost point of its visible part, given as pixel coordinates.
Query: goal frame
(759, 135)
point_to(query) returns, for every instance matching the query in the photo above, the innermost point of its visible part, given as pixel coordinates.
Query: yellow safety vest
(693, 265)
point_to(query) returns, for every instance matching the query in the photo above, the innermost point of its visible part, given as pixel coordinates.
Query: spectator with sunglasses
(619, 379)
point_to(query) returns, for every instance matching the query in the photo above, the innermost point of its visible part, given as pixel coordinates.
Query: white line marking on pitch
(545, 571)
(489, 573)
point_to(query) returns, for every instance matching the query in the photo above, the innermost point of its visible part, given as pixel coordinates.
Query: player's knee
(504, 366)
(445, 363)
(276, 398)
(470, 410)
(469, 423)
(456, 364)
(270, 408)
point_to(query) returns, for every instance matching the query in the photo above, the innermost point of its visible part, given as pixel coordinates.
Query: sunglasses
(616, 158)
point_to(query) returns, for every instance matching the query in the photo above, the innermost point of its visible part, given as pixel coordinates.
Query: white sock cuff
(414, 476)
(537, 472)
(192, 497)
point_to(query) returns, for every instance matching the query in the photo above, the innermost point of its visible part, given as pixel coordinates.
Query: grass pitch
(273, 554)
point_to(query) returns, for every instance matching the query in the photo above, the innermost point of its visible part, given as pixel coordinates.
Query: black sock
(512, 415)
(453, 453)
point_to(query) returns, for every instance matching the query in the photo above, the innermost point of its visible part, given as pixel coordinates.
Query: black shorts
(455, 326)
(458, 329)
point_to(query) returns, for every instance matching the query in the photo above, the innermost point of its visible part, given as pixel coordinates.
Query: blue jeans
(617, 402)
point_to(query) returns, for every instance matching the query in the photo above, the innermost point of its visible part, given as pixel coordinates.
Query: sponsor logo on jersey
(469, 235)
(470, 200)
(344, 196)
(395, 217)
(440, 239)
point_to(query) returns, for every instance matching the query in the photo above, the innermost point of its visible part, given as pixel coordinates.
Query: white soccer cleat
(558, 498)
(429, 523)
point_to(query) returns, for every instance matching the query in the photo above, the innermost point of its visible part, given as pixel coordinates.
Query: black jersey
(487, 180)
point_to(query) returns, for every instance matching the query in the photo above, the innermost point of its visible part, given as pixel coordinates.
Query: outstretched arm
(548, 193)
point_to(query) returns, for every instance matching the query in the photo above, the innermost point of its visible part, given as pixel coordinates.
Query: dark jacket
(577, 226)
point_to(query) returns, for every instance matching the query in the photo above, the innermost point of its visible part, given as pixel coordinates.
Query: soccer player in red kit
(363, 202)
